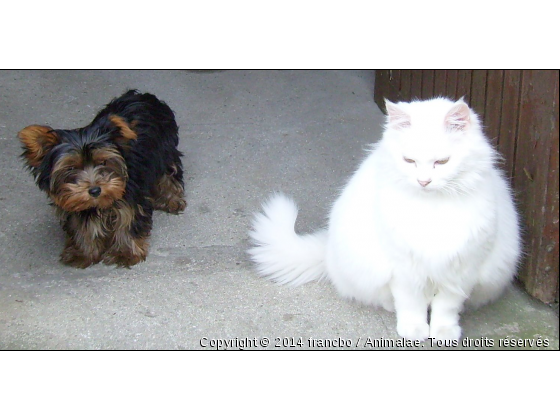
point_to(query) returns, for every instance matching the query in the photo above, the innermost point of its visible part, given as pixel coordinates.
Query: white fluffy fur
(426, 220)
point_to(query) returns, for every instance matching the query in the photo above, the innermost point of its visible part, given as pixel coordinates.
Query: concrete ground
(244, 135)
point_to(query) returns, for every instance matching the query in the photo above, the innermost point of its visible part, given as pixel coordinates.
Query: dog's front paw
(123, 260)
(75, 258)
(136, 252)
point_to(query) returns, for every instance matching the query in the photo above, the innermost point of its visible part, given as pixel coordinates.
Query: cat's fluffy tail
(282, 255)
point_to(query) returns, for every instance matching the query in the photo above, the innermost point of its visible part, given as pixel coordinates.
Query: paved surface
(244, 135)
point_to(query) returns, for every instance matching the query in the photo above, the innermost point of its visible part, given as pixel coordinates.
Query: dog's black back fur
(157, 136)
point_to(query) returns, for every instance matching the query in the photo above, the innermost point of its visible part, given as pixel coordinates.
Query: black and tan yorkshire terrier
(106, 179)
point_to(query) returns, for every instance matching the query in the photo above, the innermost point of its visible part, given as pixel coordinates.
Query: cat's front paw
(445, 332)
(413, 330)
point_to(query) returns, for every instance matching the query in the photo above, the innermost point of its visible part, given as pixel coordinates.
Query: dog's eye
(407, 160)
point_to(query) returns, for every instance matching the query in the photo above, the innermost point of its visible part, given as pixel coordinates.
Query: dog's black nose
(94, 191)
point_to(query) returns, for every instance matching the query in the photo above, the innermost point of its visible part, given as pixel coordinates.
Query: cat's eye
(407, 160)
(441, 161)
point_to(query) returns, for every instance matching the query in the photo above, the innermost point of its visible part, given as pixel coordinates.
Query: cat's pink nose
(424, 183)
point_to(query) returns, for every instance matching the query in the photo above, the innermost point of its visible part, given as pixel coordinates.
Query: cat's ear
(396, 117)
(459, 117)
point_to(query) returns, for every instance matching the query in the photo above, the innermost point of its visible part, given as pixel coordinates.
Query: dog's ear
(126, 130)
(37, 141)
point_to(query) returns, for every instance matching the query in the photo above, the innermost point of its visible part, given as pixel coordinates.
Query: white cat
(426, 220)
